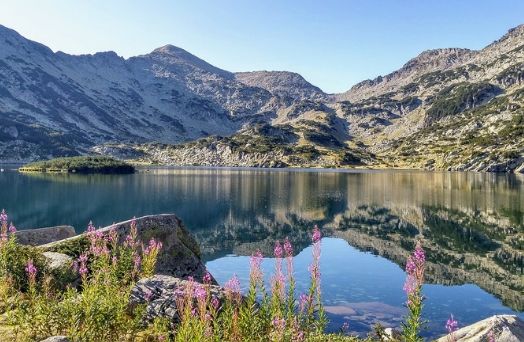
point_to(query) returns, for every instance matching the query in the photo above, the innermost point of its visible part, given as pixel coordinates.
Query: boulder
(179, 256)
(57, 261)
(40, 236)
(56, 339)
(159, 293)
(505, 328)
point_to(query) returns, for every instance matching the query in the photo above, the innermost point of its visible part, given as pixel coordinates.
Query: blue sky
(333, 44)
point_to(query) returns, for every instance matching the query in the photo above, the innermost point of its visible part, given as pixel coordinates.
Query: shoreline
(17, 166)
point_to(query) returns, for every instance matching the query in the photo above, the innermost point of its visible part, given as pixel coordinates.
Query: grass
(81, 164)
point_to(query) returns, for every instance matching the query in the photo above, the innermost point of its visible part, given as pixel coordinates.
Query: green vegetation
(460, 97)
(82, 164)
(514, 129)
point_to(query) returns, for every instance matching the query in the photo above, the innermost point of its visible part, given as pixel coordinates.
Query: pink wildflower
(316, 234)
(199, 293)
(491, 336)
(207, 278)
(232, 288)
(451, 325)
(82, 268)
(288, 248)
(215, 302)
(255, 269)
(31, 270)
(278, 250)
(148, 295)
(12, 228)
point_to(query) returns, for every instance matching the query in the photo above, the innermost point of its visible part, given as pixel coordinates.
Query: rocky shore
(180, 258)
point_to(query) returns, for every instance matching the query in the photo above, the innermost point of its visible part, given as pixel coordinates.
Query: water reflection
(472, 224)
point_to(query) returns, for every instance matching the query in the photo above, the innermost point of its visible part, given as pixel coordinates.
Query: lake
(472, 225)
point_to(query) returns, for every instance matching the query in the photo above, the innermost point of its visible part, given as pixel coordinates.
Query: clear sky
(333, 44)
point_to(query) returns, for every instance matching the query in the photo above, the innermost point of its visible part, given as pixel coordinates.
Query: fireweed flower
(199, 293)
(82, 262)
(303, 300)
(215, 302)
(279, 323)
(232, 288)
(3, 226)
(31, 270)
(316, 234)
(12, 228)
(288, 248)
(451, 325)
(415, 267)
(278, 281)
(491, 336)
(207, 278)
(148, 295)
(255, 263)
(137, 261)
(153, 246)
(3, 217)
(278, 250)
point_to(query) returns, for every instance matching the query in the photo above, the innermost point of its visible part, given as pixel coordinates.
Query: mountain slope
(455, 109)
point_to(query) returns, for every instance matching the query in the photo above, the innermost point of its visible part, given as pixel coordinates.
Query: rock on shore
(179, 256)
(505, 328)
(40, 236)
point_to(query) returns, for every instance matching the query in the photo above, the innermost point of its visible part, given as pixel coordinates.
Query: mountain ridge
(159, 105)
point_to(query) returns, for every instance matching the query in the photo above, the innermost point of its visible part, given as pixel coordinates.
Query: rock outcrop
(160, 294)
(502, 328)
(179, 256)
(41, 236)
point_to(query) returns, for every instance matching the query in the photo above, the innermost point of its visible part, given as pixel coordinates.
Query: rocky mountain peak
(437, 58)
(170, 54)
(282, 83)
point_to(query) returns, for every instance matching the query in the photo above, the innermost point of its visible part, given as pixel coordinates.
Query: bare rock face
(160, 293)
(180, 254)
(40, 236)
(504, 328)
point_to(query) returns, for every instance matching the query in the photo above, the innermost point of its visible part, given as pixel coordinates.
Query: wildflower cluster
(415, 267)
(96, 310)
(259, 315)
(451, 327)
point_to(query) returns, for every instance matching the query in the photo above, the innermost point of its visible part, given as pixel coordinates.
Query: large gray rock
(57, 261)
(56, 339)
(160, 292)
(40, 236)
(505, 328)
(179, 256)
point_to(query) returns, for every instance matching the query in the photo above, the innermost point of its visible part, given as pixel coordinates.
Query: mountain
(454, 109)
(282, 83)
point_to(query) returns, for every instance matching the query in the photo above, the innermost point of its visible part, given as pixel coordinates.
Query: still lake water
(472, 225)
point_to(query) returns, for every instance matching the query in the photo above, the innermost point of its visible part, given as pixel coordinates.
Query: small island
(80, 164)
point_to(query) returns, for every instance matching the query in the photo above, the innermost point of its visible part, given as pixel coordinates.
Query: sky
(333, 44)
